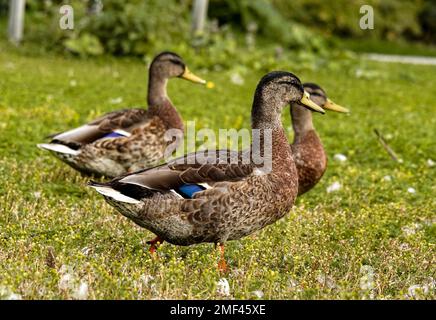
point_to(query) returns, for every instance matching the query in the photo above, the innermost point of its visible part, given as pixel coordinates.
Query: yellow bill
(330, 105)
(305, 101)
(188, 75)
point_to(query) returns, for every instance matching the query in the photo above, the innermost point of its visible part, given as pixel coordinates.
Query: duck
(129, 139)
(308, 151)
(190, 202)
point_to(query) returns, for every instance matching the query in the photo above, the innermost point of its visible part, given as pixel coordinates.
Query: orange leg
(222, 265)
(154, 244)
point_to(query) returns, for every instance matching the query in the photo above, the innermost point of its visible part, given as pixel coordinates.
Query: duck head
(276, 90)
(170, 65)
(302, 118)
(319, 96)
(164, 66)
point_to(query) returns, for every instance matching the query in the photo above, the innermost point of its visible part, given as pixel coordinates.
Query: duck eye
(176, 62)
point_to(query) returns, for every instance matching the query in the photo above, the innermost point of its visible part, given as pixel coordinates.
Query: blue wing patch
(114, 135)
(188, 190)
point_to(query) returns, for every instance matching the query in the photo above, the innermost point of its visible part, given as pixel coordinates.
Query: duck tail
(107, 191)
(58, 148)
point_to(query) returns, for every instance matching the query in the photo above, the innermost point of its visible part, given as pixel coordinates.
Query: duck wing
(185, 176)
(121, 122)
(204, 167)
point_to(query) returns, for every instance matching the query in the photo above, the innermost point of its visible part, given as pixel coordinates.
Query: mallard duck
(307, 149)
(189, 202)
(129, 139)
(309, 154)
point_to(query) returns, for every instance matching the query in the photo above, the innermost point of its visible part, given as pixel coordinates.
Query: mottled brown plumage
(241, 198)
(309, 154)
(130, 139)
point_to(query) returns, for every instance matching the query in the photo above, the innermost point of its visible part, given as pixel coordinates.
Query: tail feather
(58, 148)
(108, 191)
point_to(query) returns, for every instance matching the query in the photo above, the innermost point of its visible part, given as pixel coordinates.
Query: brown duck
(130, 139)
(309, 155)
(308, 152)
(189, 203)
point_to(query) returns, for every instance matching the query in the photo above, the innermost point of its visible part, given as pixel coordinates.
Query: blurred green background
(136, 28)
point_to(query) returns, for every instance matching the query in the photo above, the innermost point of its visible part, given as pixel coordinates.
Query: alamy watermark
(242, 146)
(367, 20)
(66, 21)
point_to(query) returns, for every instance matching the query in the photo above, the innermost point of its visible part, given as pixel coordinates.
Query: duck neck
(270, 136)
(262, 115)
(159, 103)
(301, 122)
(157, 89)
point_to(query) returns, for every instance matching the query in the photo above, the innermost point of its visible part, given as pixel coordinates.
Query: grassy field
(379, 46)
(372, 238)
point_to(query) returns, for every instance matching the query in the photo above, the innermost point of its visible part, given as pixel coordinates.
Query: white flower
(430, 283)
(293, 285)
(258, 294)
(14, 296)
(415, 290)
(326, 280)
(387, 178)
(67, 278)
(146, 283)
(411, 229)
(37, 194)
(430, 163)
(223, 287)
(411, 190)
(65, 282)
(86, 251)
(7, 294)
(404, 247)
(367, 278)
(340, 157)
(146, 279)
(81, 292)
(335, 186)
(237, 79)
(116, 100)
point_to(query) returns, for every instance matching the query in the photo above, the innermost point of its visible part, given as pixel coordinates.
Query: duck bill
(330, 105)
(306, 102)
(188, 75)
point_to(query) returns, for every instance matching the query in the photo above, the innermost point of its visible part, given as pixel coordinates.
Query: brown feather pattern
(240, 201)
(145, 147)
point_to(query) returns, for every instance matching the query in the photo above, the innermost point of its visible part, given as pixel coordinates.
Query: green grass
(386, 47)
(51, 224)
